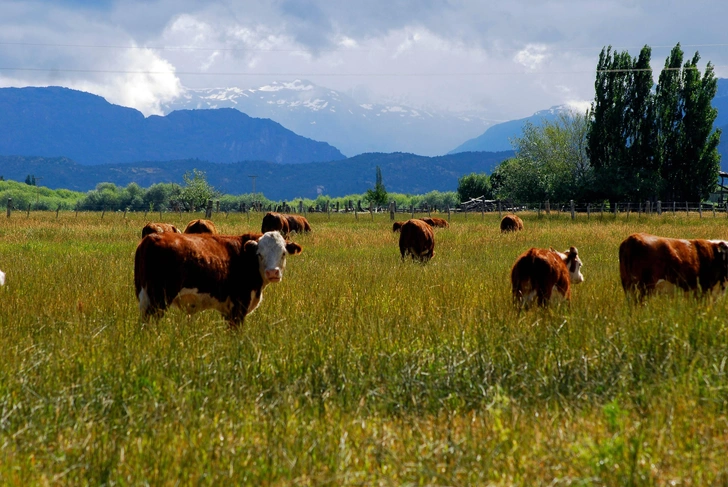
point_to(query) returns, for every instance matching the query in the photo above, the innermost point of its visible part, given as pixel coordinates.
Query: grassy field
(358, 369)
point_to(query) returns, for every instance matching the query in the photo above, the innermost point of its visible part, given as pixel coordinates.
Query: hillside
(59, 122)
(402, 173)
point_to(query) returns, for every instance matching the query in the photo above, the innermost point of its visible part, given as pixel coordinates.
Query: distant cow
(2, 278)
(436, 222)
(298, 224)
(201, 226)
(197, 272)
(397, 226)
(511, 223)
(538, 273)
(648, 263)
(153, 227)
(417, 239)
(275, 222)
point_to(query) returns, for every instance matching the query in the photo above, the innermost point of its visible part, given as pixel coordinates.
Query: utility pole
(37, 191)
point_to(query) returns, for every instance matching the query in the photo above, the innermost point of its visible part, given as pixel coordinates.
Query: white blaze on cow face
(2, 278)
(271, 251)
(573, 264)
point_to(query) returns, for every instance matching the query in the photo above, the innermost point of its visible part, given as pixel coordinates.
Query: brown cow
(436, 222)
(417, 239)
(397, 226)
(202, 271)
(648, 263)
(152, 227)
(511, 223)
(201, 226)
(275, 222)
(297, 223)
(538, 273)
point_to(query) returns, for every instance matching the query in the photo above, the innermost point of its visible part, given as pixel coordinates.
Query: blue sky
(502, 59)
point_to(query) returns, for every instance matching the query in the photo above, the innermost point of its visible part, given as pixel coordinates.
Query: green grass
(358, 369)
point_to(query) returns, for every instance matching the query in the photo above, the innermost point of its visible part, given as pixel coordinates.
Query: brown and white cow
(298, 224)
(539, 273)
(201, 226)
(417, 239)
(275, 222)
(152, 227)
(648, 263)
(202, 271)
(436, 222)
(511, 223)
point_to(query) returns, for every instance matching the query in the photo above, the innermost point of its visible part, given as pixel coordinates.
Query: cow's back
(273, 221)
(511, 223)
(298, 223)
(417, 238)
(537, 273)
(201, 226)
(153, 227)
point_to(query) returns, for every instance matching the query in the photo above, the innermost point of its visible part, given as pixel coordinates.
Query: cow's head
(271, 250)
(573, 264)
(397, 226)
(722, 257)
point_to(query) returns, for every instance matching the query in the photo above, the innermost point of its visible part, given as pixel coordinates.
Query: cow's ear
(293, 248)
(250, 246)
(723, 246)
(573, 251)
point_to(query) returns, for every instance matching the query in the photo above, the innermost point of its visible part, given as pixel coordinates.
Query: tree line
(638, 141)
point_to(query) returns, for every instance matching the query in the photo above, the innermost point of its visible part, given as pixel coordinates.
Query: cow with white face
(205, 271)
(2, 278)
(539, 274)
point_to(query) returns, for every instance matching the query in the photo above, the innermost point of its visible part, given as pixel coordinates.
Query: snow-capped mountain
(334, 117)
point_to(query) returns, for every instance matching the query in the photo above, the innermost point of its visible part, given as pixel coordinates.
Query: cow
(397, 226)
(417, 239)
(201, 226)
(195, 272)
(275, 222)
(436, 222)
(511, 223)
(2, 278)
(648, 264)
(152, 227)
(298, 224)
(539, 273)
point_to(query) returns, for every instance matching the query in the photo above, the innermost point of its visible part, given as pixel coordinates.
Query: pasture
(358, 369)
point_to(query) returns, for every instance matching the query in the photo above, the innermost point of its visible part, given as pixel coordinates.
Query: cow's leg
(151, 305)
(236, 317)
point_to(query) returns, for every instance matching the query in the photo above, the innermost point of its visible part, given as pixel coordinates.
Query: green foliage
(473, 186)
(38, 197)
(196, 191)
(550, 162)
(378, 195)
(30, 180)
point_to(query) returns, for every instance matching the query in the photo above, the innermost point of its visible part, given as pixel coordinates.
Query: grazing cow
(397, 226)
(2, 278)
(297, 223)
(201, 226)
(511, 223)
(275, 222)
(648, 263)
(538, 273)
(436, 222)
(197, 272)
(152, 227)
(417, 239)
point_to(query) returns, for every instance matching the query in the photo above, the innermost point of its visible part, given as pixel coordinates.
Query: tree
(473, 186)
(30, 180)
(196, 191)
(687, 143)
(378, 195)
(550, 162)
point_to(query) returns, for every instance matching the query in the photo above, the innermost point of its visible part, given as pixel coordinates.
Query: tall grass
(358, 368)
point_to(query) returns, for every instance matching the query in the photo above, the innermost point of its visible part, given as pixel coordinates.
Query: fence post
(648, 207)
(371, 209)
(659, 207)
(125, 210)
(482, 208)
(713, 211)
(76, 216)
(160, 214)
(412, 210)
(687, 209)
(616, 208)
(500, 212)
(548, 208)
(208, 209)
(674, 208)
(602, 210)
(639, 209)
(103, 212)
(539, 209)
(700, 209)
(448, 211)
(59, 209)
(588, 211)
(573, 215)
(629, 205)
(217, 206)
(10, 206)
(27, 215)
(391, 210)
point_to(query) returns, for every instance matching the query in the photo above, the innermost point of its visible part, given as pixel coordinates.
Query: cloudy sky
(503, 59)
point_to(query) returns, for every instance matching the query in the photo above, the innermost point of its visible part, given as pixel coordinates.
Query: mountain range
(54, 121)
(353, 127)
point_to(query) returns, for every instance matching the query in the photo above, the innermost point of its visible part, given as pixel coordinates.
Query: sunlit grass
(358, 368)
